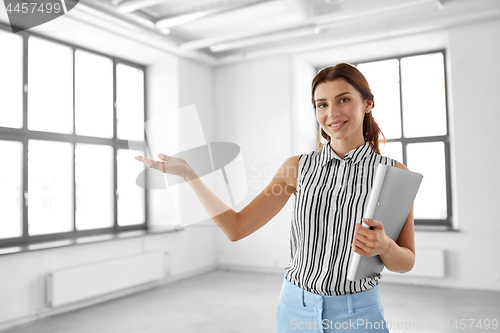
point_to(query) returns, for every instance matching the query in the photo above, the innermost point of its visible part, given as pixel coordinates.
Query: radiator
(79, 283)
(429, 262)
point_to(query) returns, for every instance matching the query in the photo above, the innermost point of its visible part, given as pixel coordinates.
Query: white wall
(22, 282)
(305, 125)
(162, 86)
(172, 85)
(196, 87)
(254, 107)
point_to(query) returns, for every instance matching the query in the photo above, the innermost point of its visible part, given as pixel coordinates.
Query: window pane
(11, 189)
(393, 150)
(50, 85)
(131, 201)
(94, 186)
(383, 78)
(130, 103)
(424, 105)
(11, 81)
(93, 95)
(50, 189)
(430, 202)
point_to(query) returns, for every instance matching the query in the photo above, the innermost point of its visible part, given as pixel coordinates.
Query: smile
(337, 124)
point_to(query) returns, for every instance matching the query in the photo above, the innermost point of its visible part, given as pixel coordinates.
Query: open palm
(171, 165)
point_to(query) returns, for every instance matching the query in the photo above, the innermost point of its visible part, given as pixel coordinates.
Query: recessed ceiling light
(334, 2)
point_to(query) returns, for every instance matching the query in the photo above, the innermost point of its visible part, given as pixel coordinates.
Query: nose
(332, 111)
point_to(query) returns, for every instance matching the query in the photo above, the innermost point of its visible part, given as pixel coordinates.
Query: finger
(363, 238)
(360, 230)
(163, 157)
(358, 227)
(364, 235)
(362, 242)
(358, 249)
(146, 161)
(371, 222)
(365, 249)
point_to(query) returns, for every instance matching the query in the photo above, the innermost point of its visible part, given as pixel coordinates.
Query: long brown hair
(371, 130)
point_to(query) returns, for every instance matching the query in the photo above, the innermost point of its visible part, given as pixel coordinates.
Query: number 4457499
(473, 323)
(33, 7)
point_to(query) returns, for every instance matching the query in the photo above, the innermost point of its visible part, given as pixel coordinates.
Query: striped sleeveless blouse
(330, 198)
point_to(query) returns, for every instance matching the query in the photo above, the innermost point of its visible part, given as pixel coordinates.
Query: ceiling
(221, 29)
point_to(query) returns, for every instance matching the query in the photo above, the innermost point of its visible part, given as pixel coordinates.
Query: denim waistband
(341, 302)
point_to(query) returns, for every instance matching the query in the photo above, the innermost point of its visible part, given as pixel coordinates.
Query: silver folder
(389, 201)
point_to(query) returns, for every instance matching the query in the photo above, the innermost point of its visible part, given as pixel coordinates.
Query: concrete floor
(236, 302)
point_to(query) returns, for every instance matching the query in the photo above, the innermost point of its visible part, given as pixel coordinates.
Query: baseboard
(50, 312)
(190, 273)
(251, 269)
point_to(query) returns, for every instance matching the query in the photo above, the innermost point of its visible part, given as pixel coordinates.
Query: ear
(369, 106)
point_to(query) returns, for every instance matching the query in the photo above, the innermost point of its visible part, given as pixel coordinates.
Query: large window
(67, 119)
(411, 109)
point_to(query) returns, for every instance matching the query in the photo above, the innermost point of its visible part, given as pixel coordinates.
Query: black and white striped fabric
(330, 199)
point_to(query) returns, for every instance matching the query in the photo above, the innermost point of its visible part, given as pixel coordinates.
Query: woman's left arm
(397, 256)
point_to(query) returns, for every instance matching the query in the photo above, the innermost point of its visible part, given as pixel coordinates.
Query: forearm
(223, 215)
(397, 258)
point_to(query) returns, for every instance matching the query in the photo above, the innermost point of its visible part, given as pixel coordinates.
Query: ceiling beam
(216, 8)
(133, 5)
(267, 39)
(173, 21)
(359, 38)
(133, 27)
(319, 22)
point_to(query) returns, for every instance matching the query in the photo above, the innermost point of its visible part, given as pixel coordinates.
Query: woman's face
(340, 110)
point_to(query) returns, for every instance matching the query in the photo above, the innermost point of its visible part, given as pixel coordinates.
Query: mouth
(337, 125)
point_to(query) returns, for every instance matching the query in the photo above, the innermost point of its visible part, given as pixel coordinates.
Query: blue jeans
(302, 311)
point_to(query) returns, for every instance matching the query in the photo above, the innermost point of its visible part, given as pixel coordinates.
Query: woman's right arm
(238, 225)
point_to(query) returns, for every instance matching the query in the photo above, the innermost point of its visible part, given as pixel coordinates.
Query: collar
(354, 156)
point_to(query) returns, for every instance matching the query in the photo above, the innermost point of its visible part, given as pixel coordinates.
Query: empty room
(234, 166)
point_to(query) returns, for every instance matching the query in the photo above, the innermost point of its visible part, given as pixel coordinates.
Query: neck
(342, 147)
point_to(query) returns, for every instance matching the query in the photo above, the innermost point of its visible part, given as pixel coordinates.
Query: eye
(320, 105)
(343, 99)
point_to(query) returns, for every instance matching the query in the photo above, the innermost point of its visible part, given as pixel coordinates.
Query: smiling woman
(325, 227)
(356, 90)
(331, 186)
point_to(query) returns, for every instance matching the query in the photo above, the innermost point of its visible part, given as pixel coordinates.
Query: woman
(331, 186)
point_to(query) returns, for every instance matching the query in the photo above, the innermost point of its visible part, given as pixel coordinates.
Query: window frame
(436, 224)
(23, 135)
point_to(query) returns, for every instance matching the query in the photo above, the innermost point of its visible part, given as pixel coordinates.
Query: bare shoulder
(292, 161)
(289, 170)
(401, 166)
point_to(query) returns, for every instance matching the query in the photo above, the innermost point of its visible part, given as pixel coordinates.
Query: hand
(369, 243)
(171, 165)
